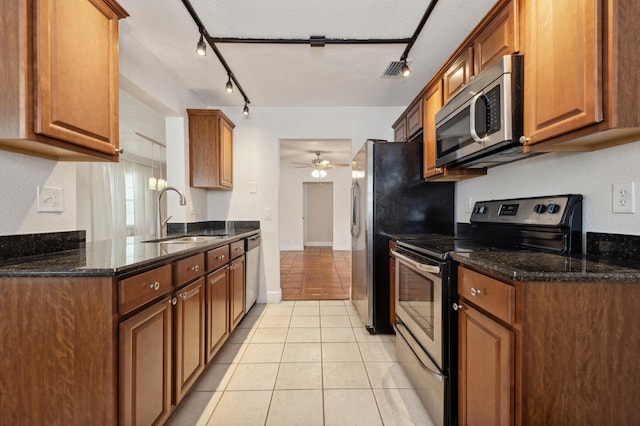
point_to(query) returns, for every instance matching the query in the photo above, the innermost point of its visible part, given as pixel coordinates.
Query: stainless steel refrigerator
(389, 196)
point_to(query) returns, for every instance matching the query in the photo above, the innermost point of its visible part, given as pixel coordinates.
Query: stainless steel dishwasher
(252, 272)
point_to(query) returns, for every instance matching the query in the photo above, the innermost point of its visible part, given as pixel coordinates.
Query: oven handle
(433, 269)
(436, 374)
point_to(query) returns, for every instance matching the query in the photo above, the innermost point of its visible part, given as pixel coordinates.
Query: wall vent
(393, 69)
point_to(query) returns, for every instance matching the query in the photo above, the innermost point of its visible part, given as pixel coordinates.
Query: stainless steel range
(426, 284)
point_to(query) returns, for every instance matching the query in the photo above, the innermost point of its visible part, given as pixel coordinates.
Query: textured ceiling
(299, 75)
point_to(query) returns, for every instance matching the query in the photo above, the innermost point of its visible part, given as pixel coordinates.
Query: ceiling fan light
(316, 173)
(201, 48)
(323, 173)
(405, 70)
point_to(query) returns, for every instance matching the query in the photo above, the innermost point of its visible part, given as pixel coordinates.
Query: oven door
(419, 301)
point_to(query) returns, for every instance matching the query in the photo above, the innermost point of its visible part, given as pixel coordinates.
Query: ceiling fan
(318, 163)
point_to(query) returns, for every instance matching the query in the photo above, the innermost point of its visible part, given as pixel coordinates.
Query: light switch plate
(50, 199)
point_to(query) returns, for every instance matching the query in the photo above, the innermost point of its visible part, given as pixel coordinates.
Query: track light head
(201, 49)
(229, 86)
(405, 70)
(245, 110)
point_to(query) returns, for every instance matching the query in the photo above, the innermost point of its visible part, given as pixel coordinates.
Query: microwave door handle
(472, 118)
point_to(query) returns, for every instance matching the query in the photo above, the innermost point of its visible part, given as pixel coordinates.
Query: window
(129, 200)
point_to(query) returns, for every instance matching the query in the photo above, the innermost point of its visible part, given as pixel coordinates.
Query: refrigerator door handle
(355, 210)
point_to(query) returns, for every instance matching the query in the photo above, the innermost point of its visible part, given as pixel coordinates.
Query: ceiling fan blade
(301, 164)
(337, 165)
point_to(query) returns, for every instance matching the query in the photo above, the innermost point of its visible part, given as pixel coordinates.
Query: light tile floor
(303, 363)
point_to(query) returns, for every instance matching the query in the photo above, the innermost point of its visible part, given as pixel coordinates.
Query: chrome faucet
(161, 230)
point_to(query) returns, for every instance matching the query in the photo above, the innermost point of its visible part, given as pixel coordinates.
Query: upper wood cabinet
(409, 124)
(210, 149)
(499, 37)
(59, 80)
(458, 74)
(581, 78)
(431, 103)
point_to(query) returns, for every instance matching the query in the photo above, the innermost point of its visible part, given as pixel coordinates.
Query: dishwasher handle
(252, 242)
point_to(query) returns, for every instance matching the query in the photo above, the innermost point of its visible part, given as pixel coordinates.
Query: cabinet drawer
(135, 291)
(495, 297)
(217, 257)
(414, 119)
(237, 249)
(189, 268)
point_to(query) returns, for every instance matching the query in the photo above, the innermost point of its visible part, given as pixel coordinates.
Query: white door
(318, 213)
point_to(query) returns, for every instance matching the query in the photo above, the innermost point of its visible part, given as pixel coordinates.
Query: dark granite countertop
(538, 266)
(114, 257)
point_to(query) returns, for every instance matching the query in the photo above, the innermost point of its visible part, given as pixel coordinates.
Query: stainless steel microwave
(482, 125)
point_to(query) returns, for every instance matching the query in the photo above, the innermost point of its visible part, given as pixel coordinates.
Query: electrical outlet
(623, 198)
(267, 214)
(50, 199)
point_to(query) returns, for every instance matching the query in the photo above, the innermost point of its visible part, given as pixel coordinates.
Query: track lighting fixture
(405, 70)
(229, 85)
(201, 49)
(245, 110)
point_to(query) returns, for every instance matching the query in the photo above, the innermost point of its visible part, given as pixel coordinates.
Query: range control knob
(482, 209)
(553, 208)
(540, 208)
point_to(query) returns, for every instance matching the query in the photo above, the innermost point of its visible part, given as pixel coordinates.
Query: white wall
(291, 232)
(20, 176)
(589, 173)
(256, 159)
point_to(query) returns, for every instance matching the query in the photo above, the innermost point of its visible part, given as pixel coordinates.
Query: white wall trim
(292, 247)
(319, 243)
(272, 297)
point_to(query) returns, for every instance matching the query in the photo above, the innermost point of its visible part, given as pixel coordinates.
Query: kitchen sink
(186, 240)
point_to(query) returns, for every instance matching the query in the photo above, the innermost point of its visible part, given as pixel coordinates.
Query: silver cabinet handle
(154, 286)
(184, 295)
(476, 291)
(220, 257)
(457, 307)
(195, 268)
(173, 301)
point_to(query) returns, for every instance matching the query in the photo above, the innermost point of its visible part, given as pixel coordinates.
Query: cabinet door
(226, 155)
(236, 284)
(145, 366)
(485, 370)
(76, 65)
(217, 310)
(432, 102)
(414, 119)
(562, 67)
(499, 38)
(400, 130)
(190, 335)
(458, 74)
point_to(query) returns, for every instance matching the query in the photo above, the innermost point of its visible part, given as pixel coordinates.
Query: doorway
(318, 214)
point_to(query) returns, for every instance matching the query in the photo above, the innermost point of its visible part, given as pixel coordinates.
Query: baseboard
(295, 247)
(319, 244)
(274, 296)
(342, 247)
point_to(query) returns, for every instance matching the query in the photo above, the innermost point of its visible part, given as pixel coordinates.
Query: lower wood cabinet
(146, 365)
(236, 287)
(189, 326)
(217, 307)
(485, 370)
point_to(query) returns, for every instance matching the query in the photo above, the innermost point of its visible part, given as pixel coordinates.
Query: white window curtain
(108, 211)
